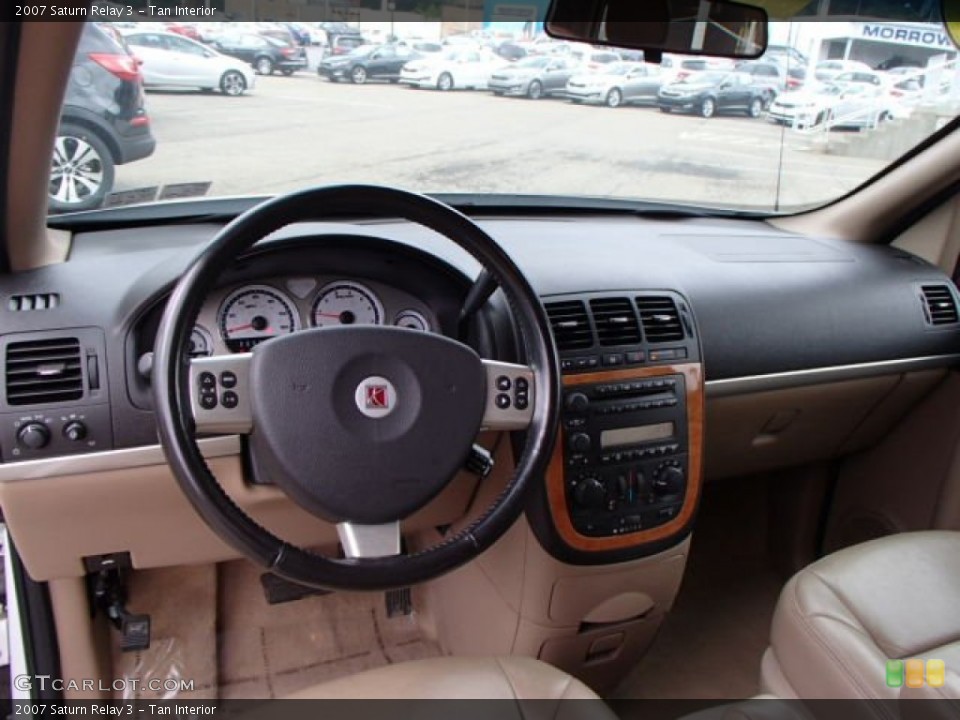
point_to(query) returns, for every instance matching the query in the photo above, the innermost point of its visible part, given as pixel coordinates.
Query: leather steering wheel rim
(175, 420)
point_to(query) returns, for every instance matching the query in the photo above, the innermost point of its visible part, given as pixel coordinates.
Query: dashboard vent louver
(941, 308)
(615, 320)
(570, 325)
(44, 371)
(660, 319)
(37, 301)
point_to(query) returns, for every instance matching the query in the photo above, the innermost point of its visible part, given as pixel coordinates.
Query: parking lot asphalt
(292, 132)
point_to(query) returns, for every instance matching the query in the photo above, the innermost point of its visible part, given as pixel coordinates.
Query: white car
(171, 60)
(451, 70)
(857, 105)
(830, 69)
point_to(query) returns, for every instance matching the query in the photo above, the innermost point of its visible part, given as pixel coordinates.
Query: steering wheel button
(522, 385)
(228, 379)
(522, 401)
(207, 380)
(229, 400)
(503, 383)
(208, 401)
(503, 401)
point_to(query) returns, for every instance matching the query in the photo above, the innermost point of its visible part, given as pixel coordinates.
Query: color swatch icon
(911, 673)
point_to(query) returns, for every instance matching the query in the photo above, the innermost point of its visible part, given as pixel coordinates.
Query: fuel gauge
(412, 320)
(200, 343)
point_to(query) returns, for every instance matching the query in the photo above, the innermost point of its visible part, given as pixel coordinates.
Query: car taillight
(288, 51)
(140, 121)
(123, 66)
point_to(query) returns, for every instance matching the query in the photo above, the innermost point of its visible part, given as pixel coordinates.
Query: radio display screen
(634, 435)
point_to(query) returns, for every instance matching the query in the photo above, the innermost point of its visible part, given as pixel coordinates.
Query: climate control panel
(32, 435)
(625, 454)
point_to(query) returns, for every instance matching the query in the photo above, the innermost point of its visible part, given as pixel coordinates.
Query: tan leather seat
(460, 678)
(839, 620)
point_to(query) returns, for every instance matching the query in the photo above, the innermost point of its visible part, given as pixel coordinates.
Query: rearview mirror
(693, 27)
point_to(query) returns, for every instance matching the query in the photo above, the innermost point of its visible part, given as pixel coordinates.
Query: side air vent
(941, 308)
(615, 320)
(39, 301)
(44, 371)
(570, 324)
(660, 319)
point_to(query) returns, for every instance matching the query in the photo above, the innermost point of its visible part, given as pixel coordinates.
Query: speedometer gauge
(347, 303)
(255, 313)
(412, 320)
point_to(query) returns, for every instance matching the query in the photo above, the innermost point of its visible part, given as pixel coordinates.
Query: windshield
(260, 116)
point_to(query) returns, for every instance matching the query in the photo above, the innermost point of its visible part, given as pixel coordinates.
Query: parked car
(711, 92)
(618, 84)
(184, 29)
(265, 54)
(858, 105)
(859, 77)
(103, 123)
(767, 73)
(368, 62)
(173, 61)
(343, 44)
(453, 69)
(510, 51)
(829, 69)
(591, 58)
(677, 67)
(534, 77)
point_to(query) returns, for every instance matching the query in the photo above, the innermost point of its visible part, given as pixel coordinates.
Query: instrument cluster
(238, 318)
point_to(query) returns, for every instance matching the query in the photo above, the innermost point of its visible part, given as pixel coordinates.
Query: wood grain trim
(693, 372)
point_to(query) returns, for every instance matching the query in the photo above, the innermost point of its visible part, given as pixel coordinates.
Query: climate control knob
(590, 493)
(577, 402)
(34, 435)
(669, 480)
(580, 442)
(75, 431)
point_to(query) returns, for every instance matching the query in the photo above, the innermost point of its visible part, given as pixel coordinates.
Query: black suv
(103, 123)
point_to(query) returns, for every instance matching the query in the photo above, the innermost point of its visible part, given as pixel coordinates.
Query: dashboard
(686, 348)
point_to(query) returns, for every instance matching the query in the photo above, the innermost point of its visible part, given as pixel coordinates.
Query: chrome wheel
(359, 76)
(264, 66)
(708, 108)
(535, 92)
(233, 84)
(81, 171)
(614, 98)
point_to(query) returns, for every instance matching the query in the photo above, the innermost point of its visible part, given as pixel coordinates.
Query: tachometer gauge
(413, 320)
(347, 303)
(253, 314)
(200, 343)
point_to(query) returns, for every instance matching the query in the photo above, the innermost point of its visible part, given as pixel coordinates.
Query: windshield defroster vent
(570, 325)
(940, 307)
(44, 371)
(616, 321)
(660, 319)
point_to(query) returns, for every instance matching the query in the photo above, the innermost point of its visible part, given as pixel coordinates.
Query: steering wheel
(359, 425)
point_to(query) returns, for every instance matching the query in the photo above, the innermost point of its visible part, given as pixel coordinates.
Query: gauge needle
(329, 315)
(248, 326)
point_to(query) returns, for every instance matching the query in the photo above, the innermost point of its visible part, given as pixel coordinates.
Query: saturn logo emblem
(376, 397)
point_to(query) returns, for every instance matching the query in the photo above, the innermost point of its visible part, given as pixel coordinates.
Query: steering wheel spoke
(369, 541)
(509, 402)
(220, 394)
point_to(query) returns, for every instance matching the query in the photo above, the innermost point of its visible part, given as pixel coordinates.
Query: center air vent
(44, 371)
(615, 320)
(660, 319)
(570, 325)
(940, 306)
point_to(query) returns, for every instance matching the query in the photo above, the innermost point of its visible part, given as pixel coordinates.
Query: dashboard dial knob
(669, 480)
(34, 435)
(590, 493)
(75, 431)
(577, 402)
(580, 442)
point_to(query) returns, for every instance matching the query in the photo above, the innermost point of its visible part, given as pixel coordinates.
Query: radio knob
(580, 442)
(669, 480)
(577, 402)
(34, 435)
(590, 493)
